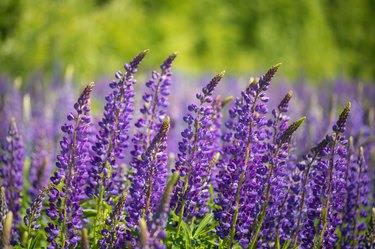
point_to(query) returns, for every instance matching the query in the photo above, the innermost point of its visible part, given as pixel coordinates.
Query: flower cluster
(196, 150)
(11, 177)
(243, 176)
(69, 181)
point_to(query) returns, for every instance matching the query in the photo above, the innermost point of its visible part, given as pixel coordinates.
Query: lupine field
(157, 164)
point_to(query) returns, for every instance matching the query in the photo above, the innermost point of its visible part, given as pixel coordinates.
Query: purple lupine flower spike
(195, 153)
(335, 191)
(154, 232)
(298, 186)
(153, 176)
(356, 203)
(11, 174)
(148, 181)
(114, 235)
(65, 210)
(244, 144)
(34, 211)
(106, 176)
(112, 137)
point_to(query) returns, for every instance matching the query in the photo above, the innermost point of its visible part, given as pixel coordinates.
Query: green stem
(180, 217)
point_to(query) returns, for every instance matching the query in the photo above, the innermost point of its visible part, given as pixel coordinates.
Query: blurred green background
(317, 39)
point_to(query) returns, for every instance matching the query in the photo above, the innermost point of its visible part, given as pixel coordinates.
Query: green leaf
(278, 242)
(33, 242)
(187, 234)
(286, 245)
(203, 225)
(89, 212)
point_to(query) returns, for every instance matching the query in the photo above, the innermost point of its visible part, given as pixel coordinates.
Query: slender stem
(325, 208)
(300, 209)
(180, 217)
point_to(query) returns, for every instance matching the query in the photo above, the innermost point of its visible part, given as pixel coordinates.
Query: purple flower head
(154, 232)
(327, 183)
(34, 211)
(148, 180)
(196, 150)
(242, 169)
(71, 177)
(113, 235)
(357, 190)
(112, 138)
(154, 108)
(11, 174)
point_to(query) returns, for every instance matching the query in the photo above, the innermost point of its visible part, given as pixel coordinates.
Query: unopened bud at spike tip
(290, 130)
(339, 127)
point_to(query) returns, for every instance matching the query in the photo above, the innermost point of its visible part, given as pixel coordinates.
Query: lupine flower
(242, 172)
(327, 180)
(113, 235)
(10, 106)
(11, 174)
(72, 176)
(334, 202)
(279, 188)
(196, 151)
(298, 190)
(154, 232)
(106, 178)
(34, 211)
(275, 186)
(357, 190)
(152, 177)
(149, 180)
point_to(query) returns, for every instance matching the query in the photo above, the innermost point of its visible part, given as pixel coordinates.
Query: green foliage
(194, 235)
(314, 38)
